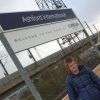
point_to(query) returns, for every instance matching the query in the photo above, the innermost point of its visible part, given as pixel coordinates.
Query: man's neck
(76, 72)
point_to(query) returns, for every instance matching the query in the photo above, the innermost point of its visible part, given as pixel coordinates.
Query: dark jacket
(84, 86)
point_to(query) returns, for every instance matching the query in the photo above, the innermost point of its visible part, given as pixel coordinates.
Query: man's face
(73, 67)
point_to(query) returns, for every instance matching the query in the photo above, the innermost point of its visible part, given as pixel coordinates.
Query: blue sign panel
(16, 20)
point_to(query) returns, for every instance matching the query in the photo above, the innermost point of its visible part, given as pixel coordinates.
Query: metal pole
(89, 27)
(76, 34)
(60, 46)
(73, 38)
(87, 35)
(95, 28)
(92, 43)
(46, 5)
(38, 4)
(6, 73)
(32, 57)
(38, 53)
(63, 4)
(19, 66)
(68, 38)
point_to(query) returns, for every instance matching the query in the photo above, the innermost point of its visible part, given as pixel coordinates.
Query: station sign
(24, 30)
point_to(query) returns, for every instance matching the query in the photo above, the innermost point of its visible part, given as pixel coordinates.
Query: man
(81, 83)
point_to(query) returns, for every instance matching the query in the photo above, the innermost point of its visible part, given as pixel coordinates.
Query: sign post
(19, 66)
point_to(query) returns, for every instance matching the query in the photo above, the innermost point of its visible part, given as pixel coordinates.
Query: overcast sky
(87, 10)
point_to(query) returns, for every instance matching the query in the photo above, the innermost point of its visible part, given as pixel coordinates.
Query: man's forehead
(72, 62)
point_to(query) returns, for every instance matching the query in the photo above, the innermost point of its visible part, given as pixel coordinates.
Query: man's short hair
(69, 59)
